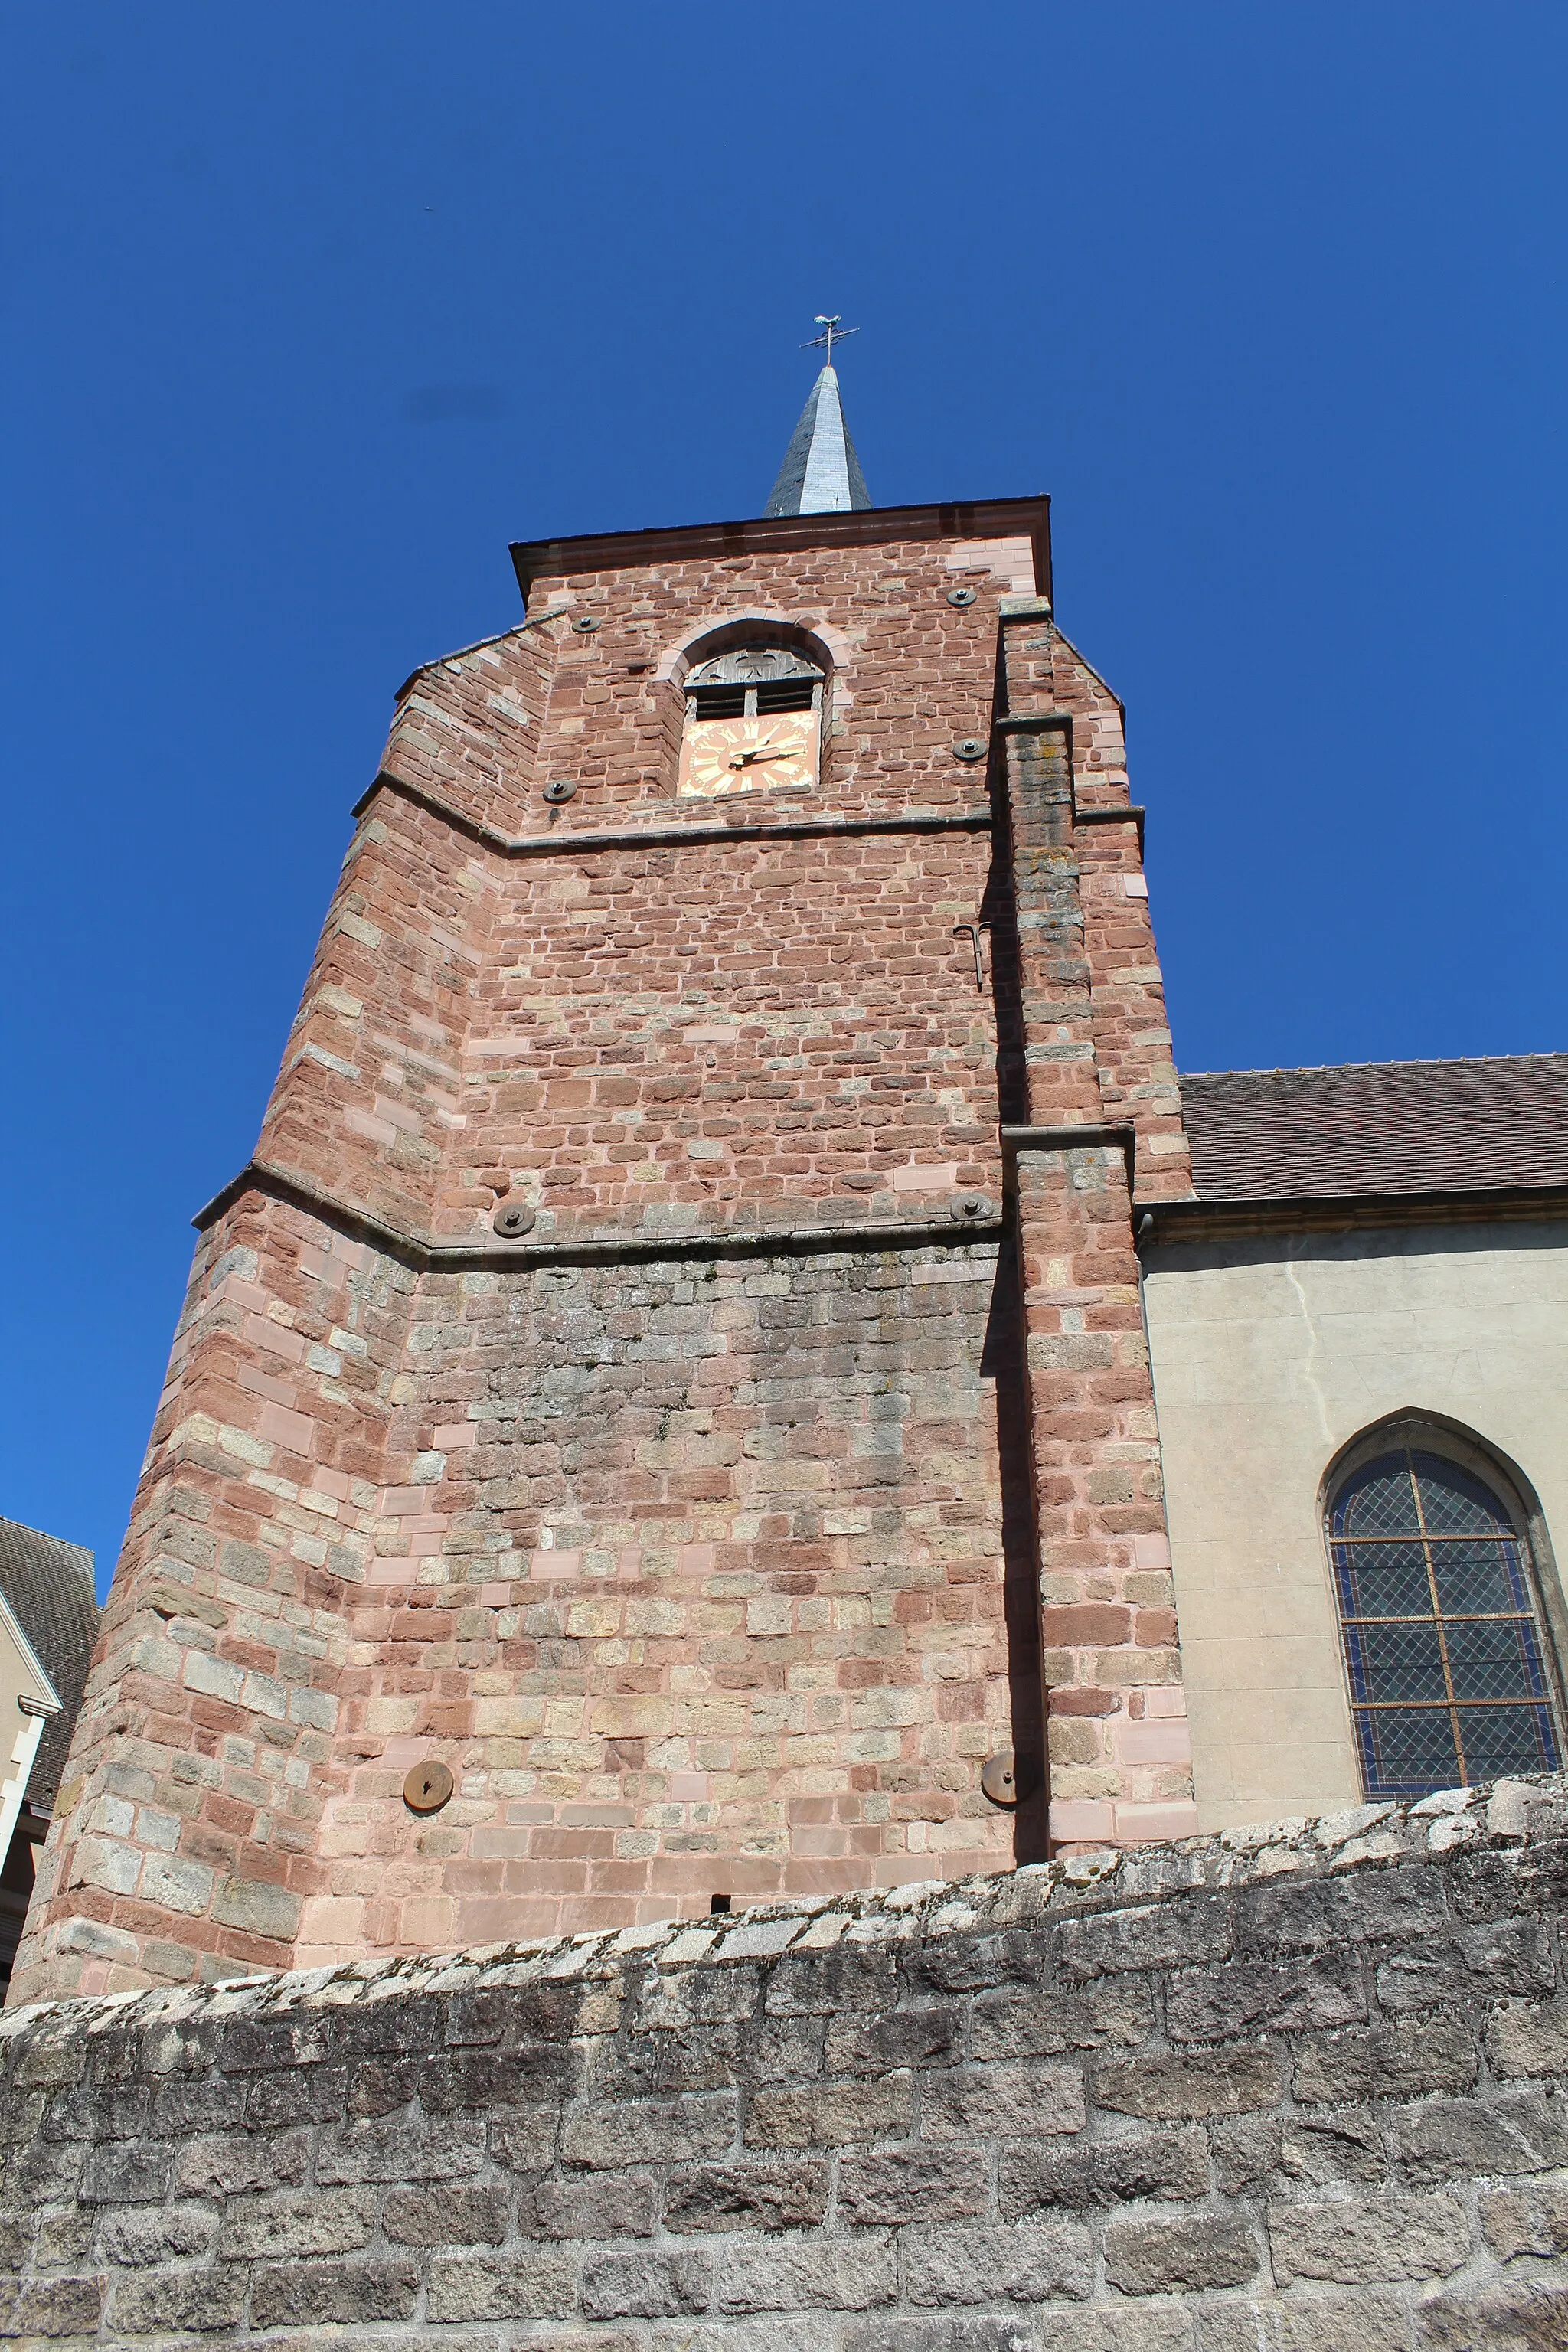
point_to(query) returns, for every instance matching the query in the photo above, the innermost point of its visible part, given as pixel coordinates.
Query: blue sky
(307, 310)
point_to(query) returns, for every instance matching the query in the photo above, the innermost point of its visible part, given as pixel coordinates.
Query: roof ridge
(1414, 1062)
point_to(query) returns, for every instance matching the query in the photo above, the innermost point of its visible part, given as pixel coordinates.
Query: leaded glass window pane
(1447, 1671)
(1453, 1504)
(1379, 1501)
(1407, 1747)
(1400, 1661)
(1507, 1739)
(1477, 1577)
(1491, 1658)
(1383, 1579)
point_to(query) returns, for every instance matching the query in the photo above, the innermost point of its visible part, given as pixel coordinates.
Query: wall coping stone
(1502, 1814)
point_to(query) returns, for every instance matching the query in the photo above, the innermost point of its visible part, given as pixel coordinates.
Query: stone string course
(1299, 2089)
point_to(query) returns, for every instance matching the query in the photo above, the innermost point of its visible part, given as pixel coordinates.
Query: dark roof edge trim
(1162, 1222)
(1356, 1069)
(425, 1255)
(574, 842)
(857, 527)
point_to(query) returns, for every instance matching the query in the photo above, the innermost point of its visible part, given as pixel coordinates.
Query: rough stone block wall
(717, 1582)
(709, 1577)
(1303, 2088)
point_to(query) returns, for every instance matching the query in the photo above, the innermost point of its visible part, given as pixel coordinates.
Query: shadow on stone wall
(1002, 1360)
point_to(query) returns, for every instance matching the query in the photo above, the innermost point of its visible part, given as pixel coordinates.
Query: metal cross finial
(831, 333)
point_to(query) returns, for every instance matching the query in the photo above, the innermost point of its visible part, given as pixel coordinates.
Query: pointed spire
(820, 474)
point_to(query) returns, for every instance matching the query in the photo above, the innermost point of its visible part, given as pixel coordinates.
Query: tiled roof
(1378, 1127)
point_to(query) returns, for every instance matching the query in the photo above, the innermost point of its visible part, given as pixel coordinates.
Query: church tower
(664, 1419)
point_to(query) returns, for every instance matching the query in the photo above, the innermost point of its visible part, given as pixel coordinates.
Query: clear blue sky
(307, 310)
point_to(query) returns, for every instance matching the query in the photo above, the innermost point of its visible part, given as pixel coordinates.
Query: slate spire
(820, 474)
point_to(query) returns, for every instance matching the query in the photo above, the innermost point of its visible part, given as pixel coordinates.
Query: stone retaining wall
(1290, 2090)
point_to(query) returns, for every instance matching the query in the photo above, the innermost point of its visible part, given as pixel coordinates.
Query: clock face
(738, 755)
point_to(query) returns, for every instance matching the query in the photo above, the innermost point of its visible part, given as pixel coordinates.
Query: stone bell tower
(665, 1413)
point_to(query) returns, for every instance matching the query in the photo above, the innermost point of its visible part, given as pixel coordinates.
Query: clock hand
(748, 759)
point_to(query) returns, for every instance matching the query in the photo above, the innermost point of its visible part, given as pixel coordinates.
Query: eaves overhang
(631, 550)
(46, 1700)
(1162, 1223)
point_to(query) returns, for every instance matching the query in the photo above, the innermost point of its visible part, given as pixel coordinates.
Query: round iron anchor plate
(427, 1787)
(998, 1777)
(512, 1219)
(970, 750)
(972, 1209)
(585, 624)
(559, 788)
(961, 596)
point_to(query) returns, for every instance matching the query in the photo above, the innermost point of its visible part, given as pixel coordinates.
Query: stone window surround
(1434, 1433)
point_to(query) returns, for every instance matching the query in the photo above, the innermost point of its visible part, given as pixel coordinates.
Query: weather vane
(832, 333)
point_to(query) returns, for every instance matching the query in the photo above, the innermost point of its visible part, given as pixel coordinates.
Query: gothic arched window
(753, 717)
(1444, 1650)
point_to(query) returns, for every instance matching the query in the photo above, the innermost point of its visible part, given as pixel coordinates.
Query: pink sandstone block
(1141, 1825)
(1167, 1742)
(1083, 1820)
(280, 1427)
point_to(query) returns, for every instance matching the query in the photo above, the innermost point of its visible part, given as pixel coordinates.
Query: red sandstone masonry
(1138, 1081)
(718, 1608)
(751, 1035)
(912, 675)
(188, 1822)
(1135, 1068)
(1120, 1766)
(370, 1094)
(703, 1575)
(468, 727)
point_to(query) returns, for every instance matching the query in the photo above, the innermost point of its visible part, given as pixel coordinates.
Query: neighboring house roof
(1378, 1127)
(24, 1668)
(49, 1587)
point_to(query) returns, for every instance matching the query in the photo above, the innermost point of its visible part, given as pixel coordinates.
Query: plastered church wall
(1269, 1357)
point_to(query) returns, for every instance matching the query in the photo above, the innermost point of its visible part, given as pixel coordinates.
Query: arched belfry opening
(752, 720)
